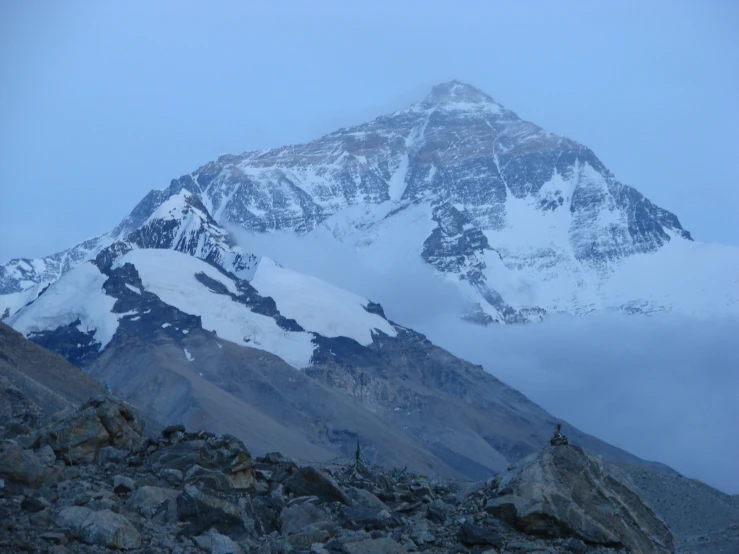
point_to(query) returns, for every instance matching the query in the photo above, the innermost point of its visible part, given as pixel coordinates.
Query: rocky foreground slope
(90, 481)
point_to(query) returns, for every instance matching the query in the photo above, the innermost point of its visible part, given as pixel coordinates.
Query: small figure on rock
(558, 438)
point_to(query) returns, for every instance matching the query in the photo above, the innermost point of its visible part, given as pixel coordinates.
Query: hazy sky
(102, 101)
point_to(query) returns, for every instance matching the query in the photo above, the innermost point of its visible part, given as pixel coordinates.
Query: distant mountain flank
(189, 327)
(526, 223)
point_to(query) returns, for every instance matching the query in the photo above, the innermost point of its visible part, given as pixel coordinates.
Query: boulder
(225, 454)
(309, 481)
(475, 535)
(22, 466)
(360, 517)
(204, 510)
(564, 492)
(147, 499)
(103, 528)
(420, 532)
(172, 429)
(365, 498)
(46, 454)
(78, 436)
(307, 536)
(171, 476)
(207, 478)
(383, 545)
(299, 516)
(215, 543)
(182, 456)
(111, 454)
(123, 484)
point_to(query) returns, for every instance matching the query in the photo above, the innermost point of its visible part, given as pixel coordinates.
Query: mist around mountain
(452, 211)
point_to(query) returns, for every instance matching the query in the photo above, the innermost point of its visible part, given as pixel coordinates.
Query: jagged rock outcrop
(79, 436)
(564, 492)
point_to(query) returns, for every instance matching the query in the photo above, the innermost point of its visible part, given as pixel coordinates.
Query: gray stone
(171, 476)
(215, 543)
(22, 466)
(296, 517)
(383, 545)
(104, 528)
(170, 430)
(562, 491)
(311, 481)
(420, 533)
(34, 504)
(360, 517)
(166, 513)
(475, 535)
(207, 510)
(208, 478)
(55, 537)
(306, 537)
(111, 454)
(78, 436)
(365, 498)
(576, 546)
(147, 499)
(123, 484)
(46, 454)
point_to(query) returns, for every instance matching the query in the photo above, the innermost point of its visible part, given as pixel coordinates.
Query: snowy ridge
(318, 306)
(77, 296)
(82, 297)
(171, 276)
(182, 223)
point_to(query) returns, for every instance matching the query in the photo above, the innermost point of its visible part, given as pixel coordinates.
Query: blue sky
(102, 101)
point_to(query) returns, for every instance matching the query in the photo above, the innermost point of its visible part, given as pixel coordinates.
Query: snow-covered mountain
(188, 327)
(525, 222)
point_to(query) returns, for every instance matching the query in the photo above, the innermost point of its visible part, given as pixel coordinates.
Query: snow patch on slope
(78, 294)
(11, 303)
(171, 276)
(318, 306)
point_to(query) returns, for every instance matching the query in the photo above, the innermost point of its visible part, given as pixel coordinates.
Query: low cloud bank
(665, 388)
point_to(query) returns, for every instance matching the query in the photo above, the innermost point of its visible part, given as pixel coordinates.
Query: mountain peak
(453, 92)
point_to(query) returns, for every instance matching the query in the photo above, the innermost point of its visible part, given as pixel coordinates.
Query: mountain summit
(456, 92)
(526, 223)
